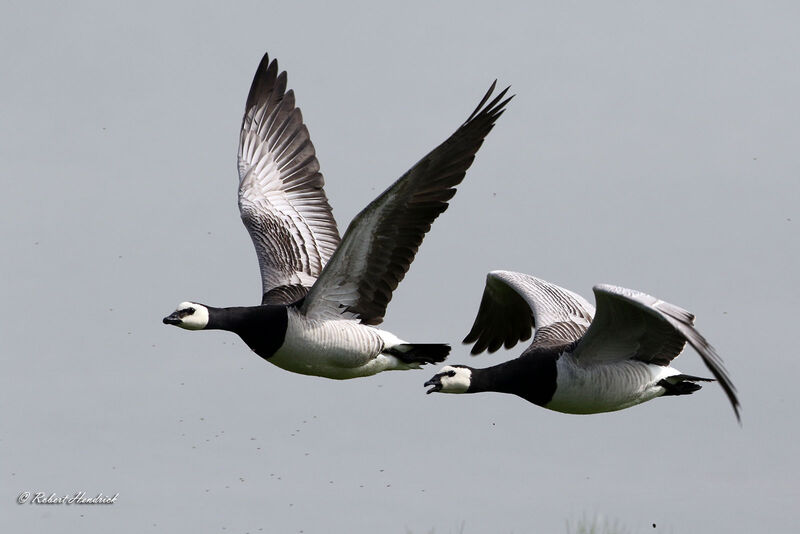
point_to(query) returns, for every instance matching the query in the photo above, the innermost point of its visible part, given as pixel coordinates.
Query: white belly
(331, 348)
(606, 387)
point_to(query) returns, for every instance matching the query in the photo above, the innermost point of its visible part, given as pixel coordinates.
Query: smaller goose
(580, 361)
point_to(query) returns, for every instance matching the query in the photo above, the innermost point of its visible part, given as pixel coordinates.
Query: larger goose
(580, 361)
(321, 295)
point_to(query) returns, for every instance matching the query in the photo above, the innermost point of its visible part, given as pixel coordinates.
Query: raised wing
(383, 239)
(281, 200)
(633, 325)
(514, 303)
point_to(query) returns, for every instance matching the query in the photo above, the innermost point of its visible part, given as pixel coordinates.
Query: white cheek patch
(459, 383)
(196, 321)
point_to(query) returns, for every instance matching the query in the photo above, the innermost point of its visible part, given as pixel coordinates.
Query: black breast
(263, 328)
(542, 376)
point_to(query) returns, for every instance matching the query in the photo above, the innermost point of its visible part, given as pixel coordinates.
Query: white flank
(606, 387)
(336, 349)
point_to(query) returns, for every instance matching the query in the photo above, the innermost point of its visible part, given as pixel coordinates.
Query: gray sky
(649, 146)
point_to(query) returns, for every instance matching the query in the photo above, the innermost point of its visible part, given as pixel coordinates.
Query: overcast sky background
(650, 146)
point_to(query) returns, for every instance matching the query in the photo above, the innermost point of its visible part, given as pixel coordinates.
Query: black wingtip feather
(491, 109)
(711, 359)
(483, 101)
(264, 78)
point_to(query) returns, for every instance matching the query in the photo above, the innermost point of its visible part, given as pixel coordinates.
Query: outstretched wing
(281, 200)
(383, 239)
(514, 303)
(633, 325)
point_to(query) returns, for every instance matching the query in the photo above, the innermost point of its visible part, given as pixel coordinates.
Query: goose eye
(190, 310)
(451, 373)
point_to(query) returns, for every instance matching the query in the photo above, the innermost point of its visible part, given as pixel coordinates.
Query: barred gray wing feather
(381, 242)
(633, 325)
(281, 197)
(515, 303)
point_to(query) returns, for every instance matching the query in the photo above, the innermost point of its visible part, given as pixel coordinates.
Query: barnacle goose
(322, 295)
(581, 361)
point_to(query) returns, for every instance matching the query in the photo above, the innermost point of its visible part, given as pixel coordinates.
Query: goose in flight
(581, 361)
(322, 296)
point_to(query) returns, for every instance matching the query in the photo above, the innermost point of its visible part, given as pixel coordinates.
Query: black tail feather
(420, 353)
(682, 384)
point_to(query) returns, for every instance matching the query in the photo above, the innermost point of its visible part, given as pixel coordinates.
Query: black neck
(226, 318)
(531, 377)
(263, 328)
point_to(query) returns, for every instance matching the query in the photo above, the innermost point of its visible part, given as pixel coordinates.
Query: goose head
(450, 379)
(188, 315)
